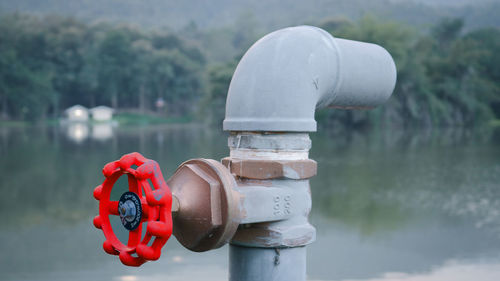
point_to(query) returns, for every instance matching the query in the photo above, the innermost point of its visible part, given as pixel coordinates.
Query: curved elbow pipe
(286, 75)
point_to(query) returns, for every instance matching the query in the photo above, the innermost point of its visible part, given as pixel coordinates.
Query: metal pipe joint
(259, 196)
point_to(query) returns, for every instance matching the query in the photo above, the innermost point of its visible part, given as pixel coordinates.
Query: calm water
(387, 205)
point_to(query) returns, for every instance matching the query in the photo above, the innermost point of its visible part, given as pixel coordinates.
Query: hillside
(269, 14)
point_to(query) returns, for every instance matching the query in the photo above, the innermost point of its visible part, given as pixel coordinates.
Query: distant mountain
(268, 14)
(448, 2)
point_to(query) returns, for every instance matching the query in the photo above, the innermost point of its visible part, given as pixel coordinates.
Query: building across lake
(81, 123)
(102, 113)
(79, 113)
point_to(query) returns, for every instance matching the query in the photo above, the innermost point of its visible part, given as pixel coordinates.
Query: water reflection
(102, 131)
(79, 132)
(452, 270)
(387, 205)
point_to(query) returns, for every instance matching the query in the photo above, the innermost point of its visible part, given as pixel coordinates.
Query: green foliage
(446, 76)
(24, 82)
(213, 106)
(48, 64)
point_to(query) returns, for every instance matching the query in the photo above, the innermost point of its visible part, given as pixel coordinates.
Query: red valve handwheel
(134, 209)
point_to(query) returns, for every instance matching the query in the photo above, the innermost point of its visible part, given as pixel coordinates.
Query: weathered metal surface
(269, 264)
(267, 154)
(275, 198)
(275, 234)
(271, 169)
(269, 203)
(275, 216)
(287, 74)
(269, 146)
(272, 140)
(207, 214)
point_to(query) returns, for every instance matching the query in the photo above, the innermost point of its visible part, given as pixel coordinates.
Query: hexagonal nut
(271, 169)
(206, 213)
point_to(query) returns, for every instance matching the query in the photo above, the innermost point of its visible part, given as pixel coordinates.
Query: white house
(102, 113)
(77, 113)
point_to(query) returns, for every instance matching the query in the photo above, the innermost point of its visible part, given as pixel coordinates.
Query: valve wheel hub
(130, 210)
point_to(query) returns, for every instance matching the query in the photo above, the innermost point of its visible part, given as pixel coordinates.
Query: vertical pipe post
(275, 248)
(273, 264)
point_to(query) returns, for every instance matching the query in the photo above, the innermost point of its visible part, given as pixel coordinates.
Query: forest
(448, 75)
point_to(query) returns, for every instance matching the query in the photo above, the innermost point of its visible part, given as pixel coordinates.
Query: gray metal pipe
(270, 264)
(277, 86)
(286, 75)
(270, 243)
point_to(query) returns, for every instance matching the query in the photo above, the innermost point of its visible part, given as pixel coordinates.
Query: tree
(213, 104)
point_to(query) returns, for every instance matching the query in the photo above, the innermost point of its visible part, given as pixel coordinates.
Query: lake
(387, 205)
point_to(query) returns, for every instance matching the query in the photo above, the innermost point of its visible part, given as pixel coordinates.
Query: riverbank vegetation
(447, 76)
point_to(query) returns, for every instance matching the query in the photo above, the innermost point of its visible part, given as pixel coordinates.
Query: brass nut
(207, 212)
(271, 169)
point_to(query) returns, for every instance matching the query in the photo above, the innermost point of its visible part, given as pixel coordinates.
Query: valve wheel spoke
(113, 208)
(132, 184)
(146, 210)
(134, 236)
